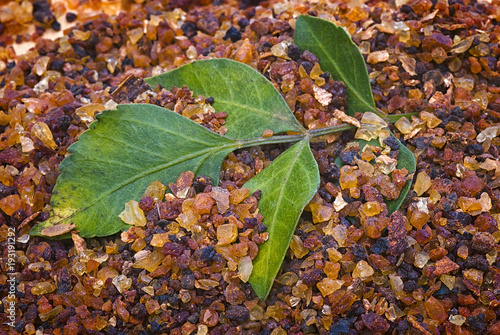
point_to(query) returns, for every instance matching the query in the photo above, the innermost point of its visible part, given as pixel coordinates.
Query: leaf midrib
(261, 111)
(128, 144)
(206, 152)
(255, 110)
(304, 142)
(250, 108)
(181, 135)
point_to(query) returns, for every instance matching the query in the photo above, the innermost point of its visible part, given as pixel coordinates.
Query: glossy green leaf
(406, 160)
(338, 55)
(123, 151)
(252, 103)
(287, 185)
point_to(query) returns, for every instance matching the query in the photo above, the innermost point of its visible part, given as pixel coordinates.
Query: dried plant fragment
(57, 230)
(182, 185)
(324, 97)
(445, 265)
(346, 118)
(397, 234)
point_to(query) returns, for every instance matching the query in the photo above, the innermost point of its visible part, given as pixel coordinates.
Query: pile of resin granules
(182, 268)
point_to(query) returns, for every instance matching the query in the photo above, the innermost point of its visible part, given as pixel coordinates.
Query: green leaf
(406, 160)
(123, 151)
(341, 57)
(252, 103)
(338, 55)
(287, 185)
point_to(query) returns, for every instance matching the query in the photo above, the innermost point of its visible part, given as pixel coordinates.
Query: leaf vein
(112, 161)
(131, 180)
(179, 134)
(281, 191)
(128, 144)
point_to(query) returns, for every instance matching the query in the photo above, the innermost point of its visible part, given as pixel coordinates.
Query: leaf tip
(261, 287)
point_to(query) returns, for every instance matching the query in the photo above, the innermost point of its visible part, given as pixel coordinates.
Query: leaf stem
(313, 133)
(250, 142)
(292, 138)
(329, 130)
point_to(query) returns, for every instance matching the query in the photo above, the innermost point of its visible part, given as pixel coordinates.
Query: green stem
(313, 133)
(251, 142)
(292, 138)
(329, 130)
